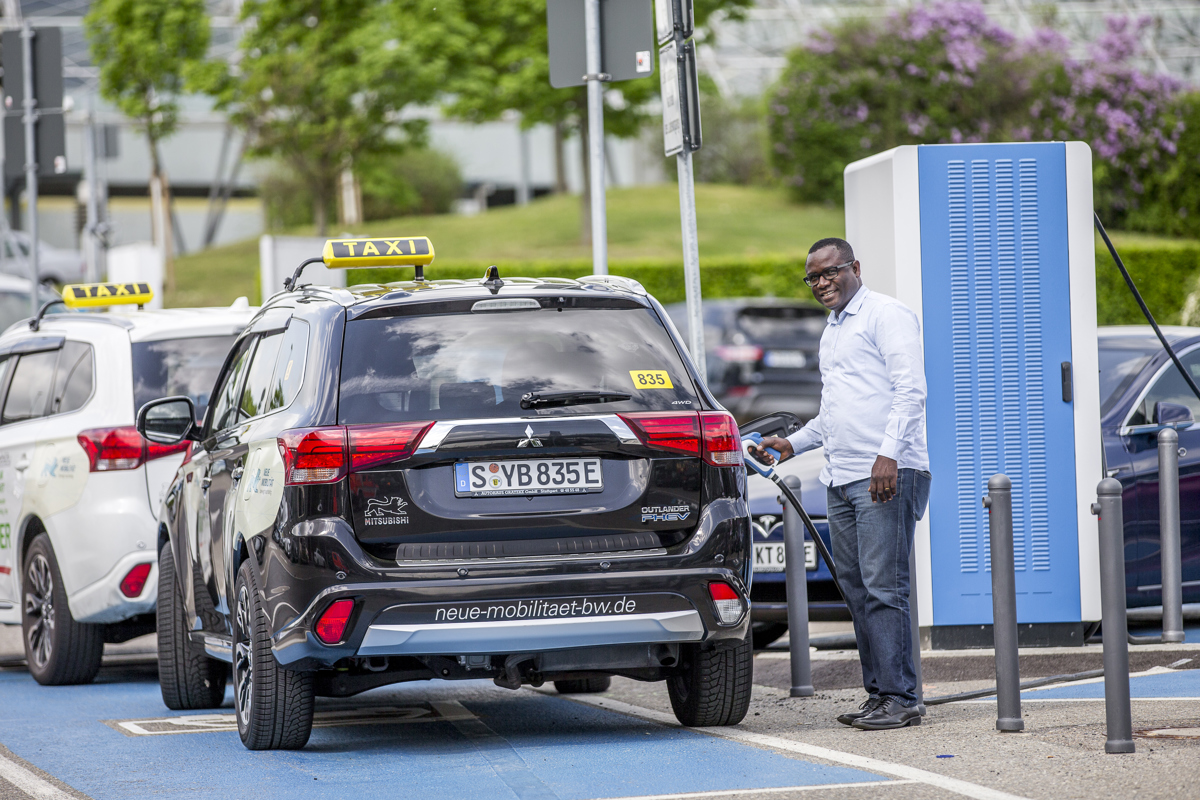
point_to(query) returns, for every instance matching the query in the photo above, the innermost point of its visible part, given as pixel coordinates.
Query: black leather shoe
(867, 706)
(887, 715)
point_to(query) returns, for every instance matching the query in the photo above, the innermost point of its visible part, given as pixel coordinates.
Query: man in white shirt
(872, 425)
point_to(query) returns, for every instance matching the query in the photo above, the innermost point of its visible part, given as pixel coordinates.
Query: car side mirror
(1172, 415)
(169, 420)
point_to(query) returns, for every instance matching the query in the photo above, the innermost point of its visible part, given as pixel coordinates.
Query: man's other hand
(883, 479)
(775, 443)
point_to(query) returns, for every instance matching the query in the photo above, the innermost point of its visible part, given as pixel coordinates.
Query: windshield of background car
(478, 365)
(1121, 359)
(178, 367)
(780, 325)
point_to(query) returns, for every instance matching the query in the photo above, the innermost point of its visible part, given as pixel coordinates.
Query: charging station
(992, 246)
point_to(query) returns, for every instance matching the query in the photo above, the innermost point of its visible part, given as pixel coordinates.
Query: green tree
(503, 64)
(146, 51)
(322, 83)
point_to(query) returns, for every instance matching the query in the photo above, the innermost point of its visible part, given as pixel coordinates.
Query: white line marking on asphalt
(771, 790)
(334, 718)
(964, 788)
(1090, 700)
(30, 782)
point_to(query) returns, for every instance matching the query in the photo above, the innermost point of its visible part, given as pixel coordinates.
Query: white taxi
(79, 487)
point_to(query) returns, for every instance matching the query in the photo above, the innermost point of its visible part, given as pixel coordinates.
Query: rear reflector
(313, 455)
(721, 443)
(676, 431)
(726, 601)
(372, 445)
(332, 625)
(111, 449)
(133, 582)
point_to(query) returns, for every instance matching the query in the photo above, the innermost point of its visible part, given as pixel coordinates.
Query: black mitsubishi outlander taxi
(510, 478)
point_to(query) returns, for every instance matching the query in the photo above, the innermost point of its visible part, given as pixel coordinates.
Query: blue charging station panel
(997, 315)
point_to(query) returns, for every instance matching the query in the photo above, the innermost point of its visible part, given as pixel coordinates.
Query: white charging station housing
(992, 246)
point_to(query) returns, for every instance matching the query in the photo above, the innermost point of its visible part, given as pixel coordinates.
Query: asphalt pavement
(115, 739)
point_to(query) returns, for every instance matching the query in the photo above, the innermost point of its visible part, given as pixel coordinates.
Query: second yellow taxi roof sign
(401, 251)
(93, 295)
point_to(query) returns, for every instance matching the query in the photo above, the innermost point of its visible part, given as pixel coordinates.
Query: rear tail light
(722, 446)
(313, 455)
(726, 601)
(739, 354)
(111, 449)
(331, 626)
(135, 580)
(326, 455)
(676, 431)
(371, 445)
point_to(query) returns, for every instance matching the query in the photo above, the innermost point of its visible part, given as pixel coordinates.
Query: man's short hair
(845, 251)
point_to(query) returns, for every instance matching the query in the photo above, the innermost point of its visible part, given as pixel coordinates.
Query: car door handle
(205, 482)
(236, 474)
(22, 464)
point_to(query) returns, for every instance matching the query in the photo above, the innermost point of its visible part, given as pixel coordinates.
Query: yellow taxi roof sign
(399, 251)
(92, 295)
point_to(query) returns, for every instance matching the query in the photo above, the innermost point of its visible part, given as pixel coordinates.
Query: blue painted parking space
(1176, 683)
(498, 744)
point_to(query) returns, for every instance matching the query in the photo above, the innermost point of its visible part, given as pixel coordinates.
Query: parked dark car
(762, 353)
(520, 480)
(1139, 389)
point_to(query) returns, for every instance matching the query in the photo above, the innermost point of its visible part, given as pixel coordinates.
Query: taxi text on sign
(391, 252)
(88, 295)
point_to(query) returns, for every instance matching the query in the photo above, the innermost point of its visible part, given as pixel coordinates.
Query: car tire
(592, 685)
(712, 686)
(58, 650)
(765, 633)
(188, 678)
(273, 705)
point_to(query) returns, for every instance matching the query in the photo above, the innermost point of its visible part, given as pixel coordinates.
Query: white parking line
(772, 790)
(29, 781)
(961, 787)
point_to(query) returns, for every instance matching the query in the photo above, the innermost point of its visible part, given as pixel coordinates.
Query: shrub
(417, 181)
(1164, 278)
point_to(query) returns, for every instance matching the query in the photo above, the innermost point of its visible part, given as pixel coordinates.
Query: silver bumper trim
(511, 636)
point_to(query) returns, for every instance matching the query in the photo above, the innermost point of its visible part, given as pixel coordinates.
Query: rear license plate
(771, 556)
(528, 476)
(785, 359)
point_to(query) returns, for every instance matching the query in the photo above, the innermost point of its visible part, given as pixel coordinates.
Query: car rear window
(478, 365)
(178, 367)
(781, 325)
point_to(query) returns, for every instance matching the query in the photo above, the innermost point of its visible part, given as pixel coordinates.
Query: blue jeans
(871, 543)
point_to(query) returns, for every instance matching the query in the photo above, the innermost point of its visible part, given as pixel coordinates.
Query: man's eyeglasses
(829, 273)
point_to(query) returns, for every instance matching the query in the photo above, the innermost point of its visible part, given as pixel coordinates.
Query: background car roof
(1174, 333)
(151, 325)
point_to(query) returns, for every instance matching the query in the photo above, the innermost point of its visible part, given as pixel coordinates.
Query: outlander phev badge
(529, 440)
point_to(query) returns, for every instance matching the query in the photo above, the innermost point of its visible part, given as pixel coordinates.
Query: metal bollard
(998, 502)
(1168, 527)
(796, 577)
(1112, 611)
(915, 628)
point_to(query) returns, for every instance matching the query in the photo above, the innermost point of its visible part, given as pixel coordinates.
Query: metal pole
(998, 502)
(1171, 561)
(1112, 611)
(914, 623)
(797, 595)
(92, 250)
(31, 181)
(595, 102)
(524, 185)
(691, 261)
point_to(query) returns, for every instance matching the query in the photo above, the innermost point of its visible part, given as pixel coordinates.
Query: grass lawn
(643, 223)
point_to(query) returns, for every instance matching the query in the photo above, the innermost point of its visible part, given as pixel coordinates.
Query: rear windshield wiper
(577, 398)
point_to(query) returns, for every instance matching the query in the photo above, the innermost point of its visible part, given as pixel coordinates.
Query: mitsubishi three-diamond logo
(529, 440)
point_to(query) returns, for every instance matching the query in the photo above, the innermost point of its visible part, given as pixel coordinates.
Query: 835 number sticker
(651, 379)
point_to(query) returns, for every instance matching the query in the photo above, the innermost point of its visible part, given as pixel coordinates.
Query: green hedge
(1164, 277)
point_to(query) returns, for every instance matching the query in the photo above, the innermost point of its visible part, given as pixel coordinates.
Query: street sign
(626, 36)
(674, 16)
(680, 98)
(48, 89)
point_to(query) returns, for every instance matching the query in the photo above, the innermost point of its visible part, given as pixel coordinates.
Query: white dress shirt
(872, 390)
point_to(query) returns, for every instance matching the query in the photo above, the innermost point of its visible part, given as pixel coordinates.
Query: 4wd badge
(665, 513)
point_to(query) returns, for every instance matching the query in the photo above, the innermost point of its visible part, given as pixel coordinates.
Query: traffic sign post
(681, 138)
(618, 43)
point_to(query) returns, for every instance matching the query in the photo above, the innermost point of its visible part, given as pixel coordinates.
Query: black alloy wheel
(243, 659)
(58, 650)
(187, 677)
(712, 684)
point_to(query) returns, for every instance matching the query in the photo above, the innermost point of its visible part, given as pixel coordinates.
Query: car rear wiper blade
(577, 398)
